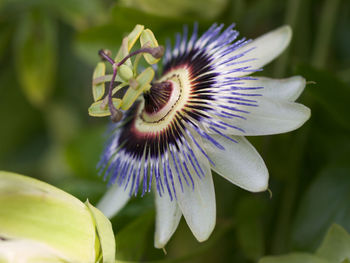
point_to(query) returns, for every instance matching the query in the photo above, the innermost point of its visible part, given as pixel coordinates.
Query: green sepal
(98, 109)
(105, 234)
(144, 79)
(98, 90)
(147, 37)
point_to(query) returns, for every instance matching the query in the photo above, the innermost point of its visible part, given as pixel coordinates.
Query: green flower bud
(41, 223)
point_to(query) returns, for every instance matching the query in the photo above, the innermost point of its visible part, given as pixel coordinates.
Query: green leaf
(105, 233)
(38, 212)
(207, 9)
(131, 239)
(35, 56)
(98, 90)
(335, 248)
(336, 245)
(294, 258)
(326, 202)
(329, 91)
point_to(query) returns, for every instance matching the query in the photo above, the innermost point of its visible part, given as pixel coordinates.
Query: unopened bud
(41, 223)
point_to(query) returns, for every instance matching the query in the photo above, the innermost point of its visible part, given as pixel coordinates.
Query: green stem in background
(282, 229)
(287, 204)
(292, 11)
(324, 32)
(323, 37)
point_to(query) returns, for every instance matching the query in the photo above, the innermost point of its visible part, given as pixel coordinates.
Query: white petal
(114, 200)
(239, 163)
(198, 205)
(168, 215)
(269, 117)
(284, 89)
(274, 117)
(263, 49)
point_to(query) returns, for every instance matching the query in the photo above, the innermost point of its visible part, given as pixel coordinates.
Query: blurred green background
(47, 53)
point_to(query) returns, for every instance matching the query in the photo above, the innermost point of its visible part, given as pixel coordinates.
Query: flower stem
(292, 11)
(283, 226)
(324, 32)
(281, 237)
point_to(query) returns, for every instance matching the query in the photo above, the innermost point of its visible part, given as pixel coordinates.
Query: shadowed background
(47, 53)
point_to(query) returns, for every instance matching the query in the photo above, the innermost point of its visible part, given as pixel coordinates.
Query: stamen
(156, 52)
(116, 115)
(105, 55)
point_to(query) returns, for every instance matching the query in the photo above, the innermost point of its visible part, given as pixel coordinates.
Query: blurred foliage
(335, 248)
(35, 56)
(317, 212)
(47, 53)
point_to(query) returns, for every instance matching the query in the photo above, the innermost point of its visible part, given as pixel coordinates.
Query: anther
(116, 115)
(105, 55)
(157, 52)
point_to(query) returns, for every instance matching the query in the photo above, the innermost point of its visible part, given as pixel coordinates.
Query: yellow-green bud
(41, 223)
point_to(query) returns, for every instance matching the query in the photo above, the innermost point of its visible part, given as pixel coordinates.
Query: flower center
(160, 101)
(164, 99)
